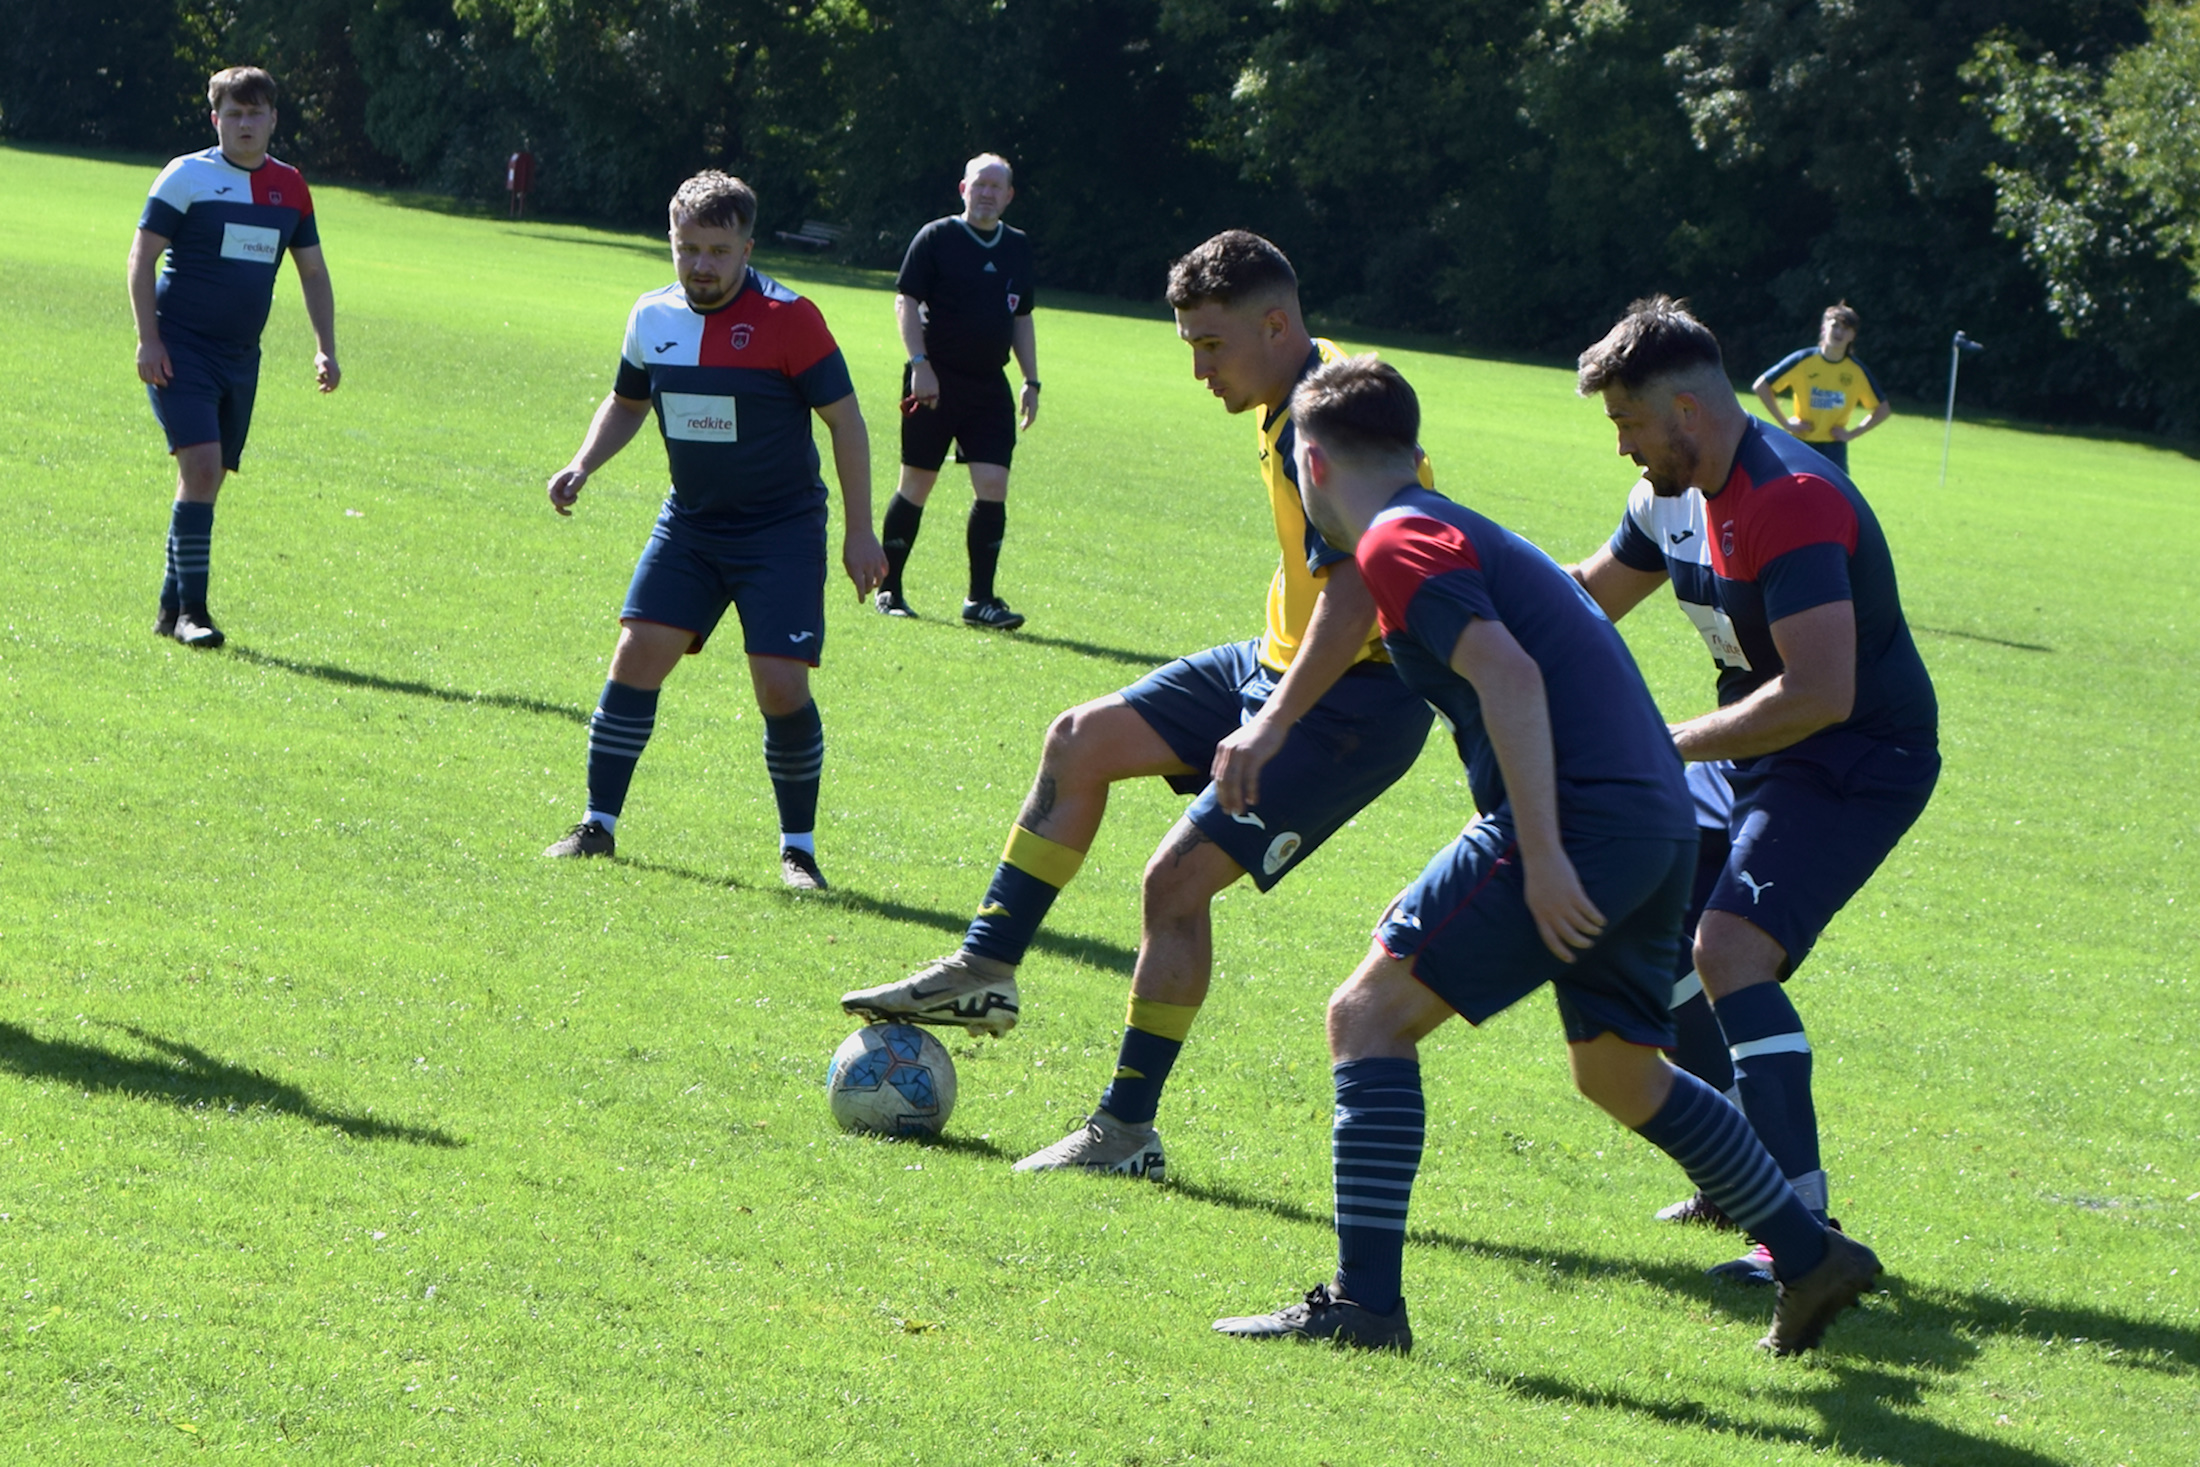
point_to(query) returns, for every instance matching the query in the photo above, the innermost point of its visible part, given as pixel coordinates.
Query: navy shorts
(1464, 924)
(209, 394)
(1351, 746)
(1836, 454)
(976, 412)
(773, 574)
(1808, 833)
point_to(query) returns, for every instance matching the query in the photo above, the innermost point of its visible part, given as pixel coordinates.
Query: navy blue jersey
(227, 229)
(734, 388)
(1785, 533)
(1434, 566)
(973, 289)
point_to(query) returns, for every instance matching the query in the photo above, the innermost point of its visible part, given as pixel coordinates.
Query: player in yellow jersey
(1826, 386)
(1281, 740)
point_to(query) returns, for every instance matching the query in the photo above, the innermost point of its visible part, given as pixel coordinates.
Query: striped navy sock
(1772, 1070)
(190, 553)
(616, 737)
(1375, 1147)
(1714, 1144)
(794, 756)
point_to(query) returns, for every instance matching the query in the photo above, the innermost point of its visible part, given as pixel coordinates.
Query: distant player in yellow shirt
(1825, 386)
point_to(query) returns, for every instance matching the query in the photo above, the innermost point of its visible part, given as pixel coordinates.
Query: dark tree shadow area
(346, 677)
(1095, 951)
(1878, 1363)
(188, 1077)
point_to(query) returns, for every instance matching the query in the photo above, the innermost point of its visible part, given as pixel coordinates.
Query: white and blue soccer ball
(891, 1080)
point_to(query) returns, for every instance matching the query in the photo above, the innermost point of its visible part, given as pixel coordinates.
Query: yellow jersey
(1305, 556)
(1824, 393)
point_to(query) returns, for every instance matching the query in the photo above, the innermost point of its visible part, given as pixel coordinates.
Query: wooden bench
(815, 234)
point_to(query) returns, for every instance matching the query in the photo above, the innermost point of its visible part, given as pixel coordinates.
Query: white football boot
(961, 990)
(1103, 1144)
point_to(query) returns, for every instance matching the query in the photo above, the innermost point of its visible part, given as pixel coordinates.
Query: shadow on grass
(1980, 637)
(1094, 951)
(1096, 651)
(188, 1077)
(345, 677)
(1934, 1331)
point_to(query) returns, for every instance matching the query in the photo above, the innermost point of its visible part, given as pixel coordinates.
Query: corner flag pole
(1956, 349)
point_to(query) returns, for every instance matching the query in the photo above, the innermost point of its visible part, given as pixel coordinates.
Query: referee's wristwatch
(1032, 383)
(919, 357)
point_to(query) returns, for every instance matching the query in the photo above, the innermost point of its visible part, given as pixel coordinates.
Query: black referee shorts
(976, 413)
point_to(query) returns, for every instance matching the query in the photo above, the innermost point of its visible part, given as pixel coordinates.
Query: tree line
(1505, 174)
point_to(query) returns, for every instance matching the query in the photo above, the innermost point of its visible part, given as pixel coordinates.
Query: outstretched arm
(860, 553)
(1344, 615)
(313, 283)
(1616, 587)
(1517, 714)
(613, 428)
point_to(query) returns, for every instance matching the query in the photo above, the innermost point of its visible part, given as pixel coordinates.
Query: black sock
(899, 537)
(988, 522)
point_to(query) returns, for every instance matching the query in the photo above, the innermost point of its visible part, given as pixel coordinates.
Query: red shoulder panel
(1399, 553)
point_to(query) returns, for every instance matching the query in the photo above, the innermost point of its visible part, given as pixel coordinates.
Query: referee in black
(963, 304)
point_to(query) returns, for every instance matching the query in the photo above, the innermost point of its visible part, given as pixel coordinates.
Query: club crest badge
(1726, 538)
(742, 332)
(1013, 301)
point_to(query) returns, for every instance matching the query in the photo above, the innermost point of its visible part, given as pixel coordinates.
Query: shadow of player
(183, 1075)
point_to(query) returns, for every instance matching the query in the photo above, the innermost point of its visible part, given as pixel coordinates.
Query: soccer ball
(892, 1080)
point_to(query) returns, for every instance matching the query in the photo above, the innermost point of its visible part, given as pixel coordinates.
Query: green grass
(336, 1124)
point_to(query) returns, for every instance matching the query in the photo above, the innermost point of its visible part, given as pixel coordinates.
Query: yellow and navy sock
(988, 524)
(1153, 1035)
(897, 537)
(1031, 875)
(794, 756)
(1375, 1147)
(1714, 1144)
(616, 737)
(190, 554)
(1771, 1057)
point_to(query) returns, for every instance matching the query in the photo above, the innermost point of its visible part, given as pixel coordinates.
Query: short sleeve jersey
(227, 229)
(1825, 393)
(1306, 556)
(1786, 532)
(733, 389)
(1435, 566)
(973, 287)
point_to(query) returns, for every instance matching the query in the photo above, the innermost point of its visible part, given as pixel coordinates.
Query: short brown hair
(247, 86)
(1361, 407)
(1656, 338)
(1234, 265)
(716, 201)
(1844, 313)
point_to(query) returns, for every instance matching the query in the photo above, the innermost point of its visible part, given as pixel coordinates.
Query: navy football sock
(898, 536)
(190, 554)
(794, 756)
(988, 523)
(1153, 1035)
(616, 737)
(1714, 1144)
(1772, 1070)
(1701, 1046)
(1031, 875)
(1375, 1147)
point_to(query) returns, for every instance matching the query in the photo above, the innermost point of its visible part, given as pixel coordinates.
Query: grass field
(336, 1124)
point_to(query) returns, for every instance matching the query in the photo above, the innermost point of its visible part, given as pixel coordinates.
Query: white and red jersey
(227, 229)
